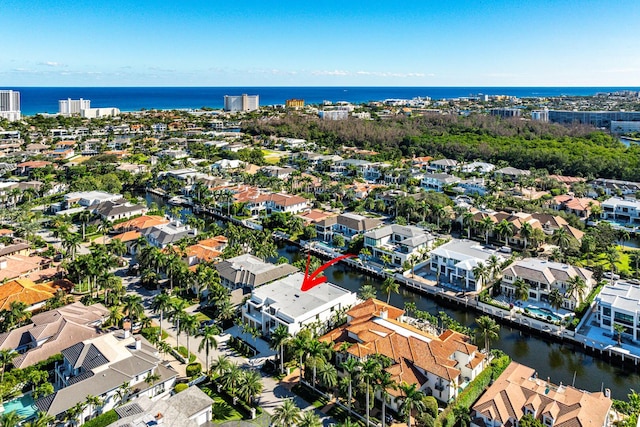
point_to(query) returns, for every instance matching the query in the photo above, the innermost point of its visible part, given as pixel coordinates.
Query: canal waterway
(557, 361)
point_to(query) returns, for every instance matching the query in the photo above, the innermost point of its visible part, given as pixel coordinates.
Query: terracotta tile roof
(518, 388)
(141, 223)
(30, 293)
(127, 236)
(202, 253)
(374, 327)
(33, 164)
(20, 265)
(6, 232)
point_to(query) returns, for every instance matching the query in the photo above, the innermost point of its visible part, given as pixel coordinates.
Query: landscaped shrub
(194, 369)
(180, 387)
(153, 331)
(103, 420)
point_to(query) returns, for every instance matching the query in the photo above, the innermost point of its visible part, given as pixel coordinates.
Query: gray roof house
(348, 224)
(52, 331)
(399, 242)
(189, 408)
(114, 210)
(99, 367)
(163, 235)
(248, 271)
(543, 276)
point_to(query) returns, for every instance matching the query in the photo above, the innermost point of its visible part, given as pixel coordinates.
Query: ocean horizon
(35, 100)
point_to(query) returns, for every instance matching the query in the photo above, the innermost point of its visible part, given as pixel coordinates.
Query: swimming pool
(544, 312)
(23, 405)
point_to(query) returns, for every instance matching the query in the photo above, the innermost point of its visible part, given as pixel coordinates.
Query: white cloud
(52, 64)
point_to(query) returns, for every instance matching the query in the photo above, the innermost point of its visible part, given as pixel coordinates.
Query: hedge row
(103, 420)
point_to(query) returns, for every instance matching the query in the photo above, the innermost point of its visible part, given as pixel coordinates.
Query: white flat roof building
(242, 102)
(284, 303)
(68, 107)
(620, 304)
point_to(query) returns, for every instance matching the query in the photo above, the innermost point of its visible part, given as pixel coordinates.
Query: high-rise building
(10, 105)
(243, 102)
(68, 107)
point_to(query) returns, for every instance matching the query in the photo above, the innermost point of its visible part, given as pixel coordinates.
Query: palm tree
(93, 402)
(521, 291)
(6, 357)
(556, 299)
(612, 256)
(309, 419)
(279, 338)
(388, 286)
(369, 371)
(317, 354)
(350, 367)
(619, 329)
(367, 291)
(383, 383)
(299, 344)
(561, 238)
(386, 260)
(467, 222)
(42, 420)
(74, 414)
(134, 308)
(231, 378)
(505, 229)
(250, 385)
(161, 303)
(526, 232)
(328, 376)
(286, 415)
(221, 365)
(577, 287)
(411, 399)
(208, 334)
(178, 305)
(486, 225)
(479, 273)
(189, 326)
(84, 217)
(488, 330)
(122, 393)
(10, 419)
(461, 415)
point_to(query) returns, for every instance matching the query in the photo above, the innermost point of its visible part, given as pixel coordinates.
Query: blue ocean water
(45, 99)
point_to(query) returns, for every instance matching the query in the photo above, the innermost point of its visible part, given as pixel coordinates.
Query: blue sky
(330, 43)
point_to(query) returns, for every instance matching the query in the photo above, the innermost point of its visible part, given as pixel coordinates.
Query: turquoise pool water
(543, 312)
(23, 405)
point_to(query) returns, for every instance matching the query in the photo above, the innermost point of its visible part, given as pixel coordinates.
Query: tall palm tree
(612, 256)
(369, 370)
(123, 392)
(134, 308)
(505, 229)
(299, 344)
(461, 415)
(286, 415)
(577, 287)
(410, 400)
(93, 402)
(178, 305)
(318, 353)
(467, 222)
(479, 273)
(84, 217)
(619, 329)
(384, 382)
(486, 225)
(390, 285)
(189, 325)
(208, 334)
(161, 303)
(561, 238)
(526, 231)
(488, 330)
(350, 367)
(328, 376)
(231, 378)
(279, 338)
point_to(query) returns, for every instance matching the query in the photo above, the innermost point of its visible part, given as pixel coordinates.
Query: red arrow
(313, 280)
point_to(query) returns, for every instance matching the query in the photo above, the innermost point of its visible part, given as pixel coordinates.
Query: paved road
(273, 392)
